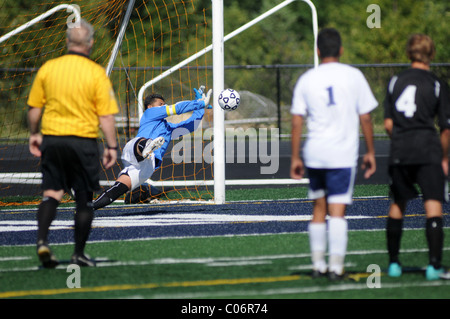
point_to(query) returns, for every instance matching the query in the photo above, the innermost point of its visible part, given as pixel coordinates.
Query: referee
(78, 97)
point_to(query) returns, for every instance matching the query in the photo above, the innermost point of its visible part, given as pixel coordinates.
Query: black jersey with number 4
(418, 102)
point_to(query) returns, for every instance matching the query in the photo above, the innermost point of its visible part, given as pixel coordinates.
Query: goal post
(218, 83)
(219, 116)
(118, 43)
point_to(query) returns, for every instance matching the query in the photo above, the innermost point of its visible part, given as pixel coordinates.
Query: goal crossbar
(40, 18)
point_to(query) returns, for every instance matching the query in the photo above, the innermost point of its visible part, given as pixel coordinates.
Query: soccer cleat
(394, 270)
(152, 145)
(333, 276)
(318, 274)
(432, 273)
(82, 260)
(46, 256)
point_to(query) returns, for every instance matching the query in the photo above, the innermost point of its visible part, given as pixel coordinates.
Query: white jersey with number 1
(332, 97)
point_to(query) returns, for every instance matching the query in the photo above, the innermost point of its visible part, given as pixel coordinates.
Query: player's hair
(81, 35)
(420, 48)
(329, 43)
(151, 98)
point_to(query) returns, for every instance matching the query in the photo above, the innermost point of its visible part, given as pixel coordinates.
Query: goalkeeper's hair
(151, 98)
(329, 43)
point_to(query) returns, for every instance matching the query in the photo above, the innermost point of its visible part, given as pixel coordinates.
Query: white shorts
(138, 172)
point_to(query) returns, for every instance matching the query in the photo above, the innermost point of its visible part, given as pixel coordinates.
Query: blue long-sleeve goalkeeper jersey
(153, 123)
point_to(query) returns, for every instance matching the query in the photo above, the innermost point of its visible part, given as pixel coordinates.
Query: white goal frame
(218, 78)
(40, 18)
(218, 81)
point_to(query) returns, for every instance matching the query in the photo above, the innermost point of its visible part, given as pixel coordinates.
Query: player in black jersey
(416, 102)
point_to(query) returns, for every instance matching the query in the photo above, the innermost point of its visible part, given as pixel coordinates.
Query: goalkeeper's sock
(110, 195)
(435, 239)
(318, 245)
(393, 238)
(83, 219)
(45, 216)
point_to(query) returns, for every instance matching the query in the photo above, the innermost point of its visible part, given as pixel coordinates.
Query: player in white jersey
(336, 99)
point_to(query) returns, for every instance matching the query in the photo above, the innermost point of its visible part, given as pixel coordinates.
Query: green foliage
(286, 37)
(163, 33)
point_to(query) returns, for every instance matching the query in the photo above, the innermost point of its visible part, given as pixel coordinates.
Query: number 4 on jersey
(406, 102)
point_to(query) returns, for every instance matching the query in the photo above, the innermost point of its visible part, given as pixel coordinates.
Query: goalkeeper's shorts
(137, 169)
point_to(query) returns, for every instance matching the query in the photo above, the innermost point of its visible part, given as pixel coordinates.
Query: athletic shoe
(333, 276)
(432, 273)
(394, 270)
(82, 260)
(46, 256)
(318, 274)
(152, 145)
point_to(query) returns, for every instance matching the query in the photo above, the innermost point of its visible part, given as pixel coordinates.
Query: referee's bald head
(81, 36)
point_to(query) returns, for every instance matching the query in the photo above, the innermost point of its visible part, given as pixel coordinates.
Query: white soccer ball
(229, 99)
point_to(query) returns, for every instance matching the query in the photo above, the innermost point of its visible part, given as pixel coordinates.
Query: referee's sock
(45, 216)
(83, 220)
(435, 238)
(110, 195)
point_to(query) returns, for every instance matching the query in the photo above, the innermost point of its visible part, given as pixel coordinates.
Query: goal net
(158, 35)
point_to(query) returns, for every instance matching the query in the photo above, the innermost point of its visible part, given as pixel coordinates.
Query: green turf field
(225, 267)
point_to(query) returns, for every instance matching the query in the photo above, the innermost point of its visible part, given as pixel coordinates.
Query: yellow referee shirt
(75, 92)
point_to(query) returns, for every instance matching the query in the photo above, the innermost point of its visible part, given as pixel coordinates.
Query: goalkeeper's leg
(111, 194)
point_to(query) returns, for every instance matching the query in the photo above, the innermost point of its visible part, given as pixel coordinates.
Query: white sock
(337, 242)
(318, 245)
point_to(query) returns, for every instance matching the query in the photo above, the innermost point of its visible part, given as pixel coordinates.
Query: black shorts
(430, 178)
(70, 162)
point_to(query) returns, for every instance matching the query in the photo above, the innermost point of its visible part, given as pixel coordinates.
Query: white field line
(212, 261)
(170, 219)
(184, 202)
(293, 291)
(13, 258)
(36, 178)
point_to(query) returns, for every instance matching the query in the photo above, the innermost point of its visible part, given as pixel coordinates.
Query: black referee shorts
(70, 162)
(429, 177)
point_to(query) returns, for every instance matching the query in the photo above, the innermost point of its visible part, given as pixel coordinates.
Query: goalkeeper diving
(143, 154)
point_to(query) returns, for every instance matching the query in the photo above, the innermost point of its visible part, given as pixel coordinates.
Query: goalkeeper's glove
(199, 92)
(206, 98)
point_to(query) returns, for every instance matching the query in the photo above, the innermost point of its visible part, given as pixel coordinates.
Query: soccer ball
(229, 99)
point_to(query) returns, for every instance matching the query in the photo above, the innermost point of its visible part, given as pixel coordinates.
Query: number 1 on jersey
(330, 96)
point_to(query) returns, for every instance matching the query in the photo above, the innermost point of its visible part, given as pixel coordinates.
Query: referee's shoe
(45, 255)
(82, 260)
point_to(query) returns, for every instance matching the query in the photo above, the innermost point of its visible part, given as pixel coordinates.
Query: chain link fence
(266, 92)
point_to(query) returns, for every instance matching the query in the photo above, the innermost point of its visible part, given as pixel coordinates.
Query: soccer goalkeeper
(143, 154)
